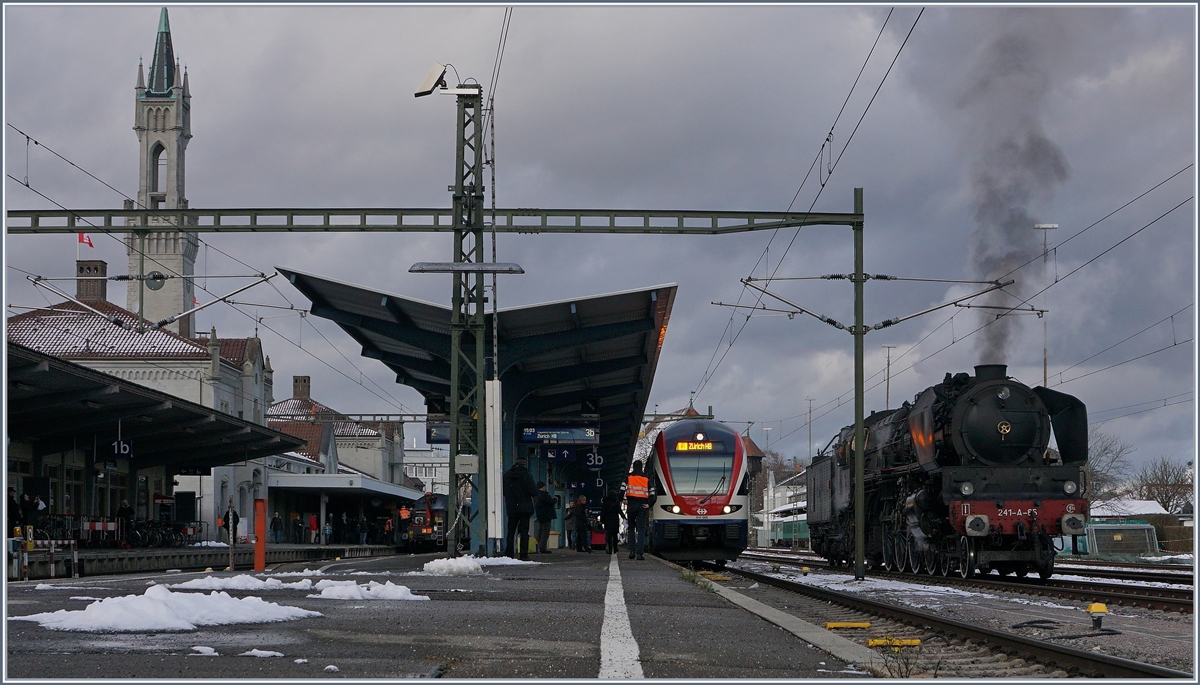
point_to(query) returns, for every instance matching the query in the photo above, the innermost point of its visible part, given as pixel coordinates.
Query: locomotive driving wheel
(901, 552)
(889, 553)
(946, 557)
(915, 556)
(966, 557)
(931, 559)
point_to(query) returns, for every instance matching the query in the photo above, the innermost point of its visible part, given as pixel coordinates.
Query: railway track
(1150, 597)
(967, 650)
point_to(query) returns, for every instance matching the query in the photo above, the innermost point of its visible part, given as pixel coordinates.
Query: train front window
(696, 474)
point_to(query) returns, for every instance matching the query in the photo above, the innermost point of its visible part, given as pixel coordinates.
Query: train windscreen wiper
(715, 490)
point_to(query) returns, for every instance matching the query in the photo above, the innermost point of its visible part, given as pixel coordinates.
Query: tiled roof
(293, 406)
(308, 431)
(69, 331)
(351, 429)
(308, 407)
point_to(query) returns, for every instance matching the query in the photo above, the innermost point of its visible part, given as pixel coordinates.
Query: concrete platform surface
(574, 615)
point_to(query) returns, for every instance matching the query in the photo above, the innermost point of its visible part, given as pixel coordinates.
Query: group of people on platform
(524, 498)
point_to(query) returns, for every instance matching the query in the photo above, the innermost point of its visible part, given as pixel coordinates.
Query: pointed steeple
(141, 83)
(187, 92)
(162, 66)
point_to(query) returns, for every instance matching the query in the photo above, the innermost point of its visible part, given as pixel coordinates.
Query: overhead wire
(711, 369)
(391, 400)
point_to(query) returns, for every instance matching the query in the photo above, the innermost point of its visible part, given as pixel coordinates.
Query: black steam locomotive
(959, 480)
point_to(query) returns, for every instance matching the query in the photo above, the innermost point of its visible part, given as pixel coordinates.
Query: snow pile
(458, 566)
(293, 574)
(86, 598)
(47, 586)
(348, 589)
(260, 653)
(299, 661)
(210, 543)
(159, 609)
(505, 561)
(204, 651)
(331, 668)
(242, 582)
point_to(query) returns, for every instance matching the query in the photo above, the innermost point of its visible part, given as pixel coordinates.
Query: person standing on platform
(125, 522)
(569, 524)
(297, 530)
(14, 513)
(519, 491)
(611, 518)
(638, 499)
(583, 541)
(312, 529)
(277, 527)
(544, 511)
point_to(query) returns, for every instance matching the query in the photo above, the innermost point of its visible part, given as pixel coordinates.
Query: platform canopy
(55, 404)
(555, 358)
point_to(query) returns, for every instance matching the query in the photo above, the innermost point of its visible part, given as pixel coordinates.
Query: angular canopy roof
(553, 356)
(55, 404)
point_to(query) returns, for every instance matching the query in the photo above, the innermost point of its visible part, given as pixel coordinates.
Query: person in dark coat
(277, 528)
(638, 498)
(611, 516)
(14, 513)
(28, 512)
(297, 529)
(519, 491)
(230, 523)
(544, 511)
(125, 521)
(583, 537)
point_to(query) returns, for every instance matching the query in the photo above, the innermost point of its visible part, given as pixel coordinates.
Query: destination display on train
(693, 446)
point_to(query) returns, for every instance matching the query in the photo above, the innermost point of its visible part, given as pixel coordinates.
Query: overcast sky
(990, 120)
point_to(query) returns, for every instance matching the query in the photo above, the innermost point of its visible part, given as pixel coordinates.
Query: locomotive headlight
(1004, 393)
(1070, 487)
(966, 488)
(728, 509)
(675, 509)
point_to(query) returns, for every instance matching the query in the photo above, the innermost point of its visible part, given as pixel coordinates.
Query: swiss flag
(86, 240)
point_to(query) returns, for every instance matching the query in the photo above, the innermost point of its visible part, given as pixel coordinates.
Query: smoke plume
(1013, 163)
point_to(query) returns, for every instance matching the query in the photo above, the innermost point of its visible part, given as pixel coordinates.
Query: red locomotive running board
(1037, 515)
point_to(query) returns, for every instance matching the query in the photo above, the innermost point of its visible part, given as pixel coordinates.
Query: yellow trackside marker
(893, 642)
(721, 578)
(1097, 608)
(847, 624)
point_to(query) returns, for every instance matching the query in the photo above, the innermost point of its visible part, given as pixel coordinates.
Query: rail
(1090, 663)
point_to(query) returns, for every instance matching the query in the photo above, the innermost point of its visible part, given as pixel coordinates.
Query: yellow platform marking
(893, 642)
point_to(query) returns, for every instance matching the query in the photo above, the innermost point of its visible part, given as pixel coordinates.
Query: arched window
(158, 168)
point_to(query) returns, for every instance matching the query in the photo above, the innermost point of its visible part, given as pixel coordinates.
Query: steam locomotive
(959, 480)
(700, 476)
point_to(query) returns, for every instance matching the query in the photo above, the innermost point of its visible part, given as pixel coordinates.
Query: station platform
(571, 615)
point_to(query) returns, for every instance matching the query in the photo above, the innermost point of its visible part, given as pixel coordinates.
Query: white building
(430, 466)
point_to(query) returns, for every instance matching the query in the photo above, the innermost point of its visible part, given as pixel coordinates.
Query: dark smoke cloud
(1013, 163)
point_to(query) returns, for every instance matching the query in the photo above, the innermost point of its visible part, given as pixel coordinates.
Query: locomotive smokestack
(991, 372)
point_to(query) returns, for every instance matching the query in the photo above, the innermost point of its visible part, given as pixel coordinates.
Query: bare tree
(1107, 466)
(1165, 481)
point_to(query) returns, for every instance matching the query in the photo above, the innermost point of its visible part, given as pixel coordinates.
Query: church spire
(162, 66)
(141, 82)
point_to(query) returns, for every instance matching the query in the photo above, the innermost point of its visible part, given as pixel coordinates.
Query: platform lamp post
(468, 384)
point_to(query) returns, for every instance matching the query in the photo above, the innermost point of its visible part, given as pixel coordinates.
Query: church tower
(163, 123)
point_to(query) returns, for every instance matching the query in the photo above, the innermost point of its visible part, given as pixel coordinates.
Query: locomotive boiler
(960, 479)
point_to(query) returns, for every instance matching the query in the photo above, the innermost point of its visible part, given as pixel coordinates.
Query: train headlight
(728, 509)
(1070, 487)
(966, 488)
(675, 509)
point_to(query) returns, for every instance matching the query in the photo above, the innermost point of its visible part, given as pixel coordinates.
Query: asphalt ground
(524, 622)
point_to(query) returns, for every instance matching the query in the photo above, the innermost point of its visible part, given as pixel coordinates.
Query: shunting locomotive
(701, 480)
(959, 480)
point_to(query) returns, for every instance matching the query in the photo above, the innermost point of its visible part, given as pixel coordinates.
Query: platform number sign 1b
(122, 448)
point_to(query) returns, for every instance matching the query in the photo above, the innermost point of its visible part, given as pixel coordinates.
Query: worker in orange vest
(638, 498)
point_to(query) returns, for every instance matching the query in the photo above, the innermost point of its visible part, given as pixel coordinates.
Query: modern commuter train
(702, 508)
(960, 479)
